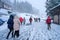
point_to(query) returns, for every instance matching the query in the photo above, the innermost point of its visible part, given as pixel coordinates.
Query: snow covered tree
(23, 7)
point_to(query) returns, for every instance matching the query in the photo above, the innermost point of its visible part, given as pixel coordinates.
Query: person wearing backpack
(48, 21)
(10, 25)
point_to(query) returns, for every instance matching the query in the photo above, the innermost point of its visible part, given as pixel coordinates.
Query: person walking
(39, 19)
(24, 20)
(30, 19)
(21, 20)
(10, 25)
(16, 26)
(48, 21)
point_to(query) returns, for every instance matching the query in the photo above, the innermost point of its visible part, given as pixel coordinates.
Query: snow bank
(4, 11)
(3, 27)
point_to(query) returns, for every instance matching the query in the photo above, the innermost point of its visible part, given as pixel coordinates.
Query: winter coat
(21, 19)
(30, 19)
(10, 22)
(48, 21)
(16, 23)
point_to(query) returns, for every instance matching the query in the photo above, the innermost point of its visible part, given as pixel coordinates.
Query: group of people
(23, 20)
(37, 19)
(14, 25)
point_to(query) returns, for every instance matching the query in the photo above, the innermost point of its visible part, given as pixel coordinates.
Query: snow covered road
(36, 31)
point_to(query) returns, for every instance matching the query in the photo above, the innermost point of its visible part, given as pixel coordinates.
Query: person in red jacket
(21, 20)
(48, 21)
(30, 19)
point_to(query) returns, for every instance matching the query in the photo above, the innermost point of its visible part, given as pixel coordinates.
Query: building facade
(53, 9)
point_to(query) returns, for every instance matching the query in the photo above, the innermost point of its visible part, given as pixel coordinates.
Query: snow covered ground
(36, 31)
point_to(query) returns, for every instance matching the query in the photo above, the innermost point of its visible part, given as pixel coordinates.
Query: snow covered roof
(53, 7)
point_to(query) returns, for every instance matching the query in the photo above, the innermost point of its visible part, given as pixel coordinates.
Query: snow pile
(4, 18)
(4, 11)
(3, 27)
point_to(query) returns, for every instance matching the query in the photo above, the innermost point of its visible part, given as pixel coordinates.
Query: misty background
(36, 7)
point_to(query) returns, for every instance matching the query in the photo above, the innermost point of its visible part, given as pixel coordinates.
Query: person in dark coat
(48, 21)
(24, 20)
(10, 25)
(39, 19)
(30, 19)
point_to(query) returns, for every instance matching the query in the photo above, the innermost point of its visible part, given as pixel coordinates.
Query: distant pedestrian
(35, 20)
(24, 20)
(21, 20)
(39, 19)
(48, 21)
(10, 25)
(16, 26)
(30, 19)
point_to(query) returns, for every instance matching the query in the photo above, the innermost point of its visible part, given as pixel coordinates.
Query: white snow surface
(4, 11)
(36, 31)
(4, 18)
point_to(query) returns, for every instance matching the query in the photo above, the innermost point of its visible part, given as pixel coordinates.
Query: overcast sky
(39, 4)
